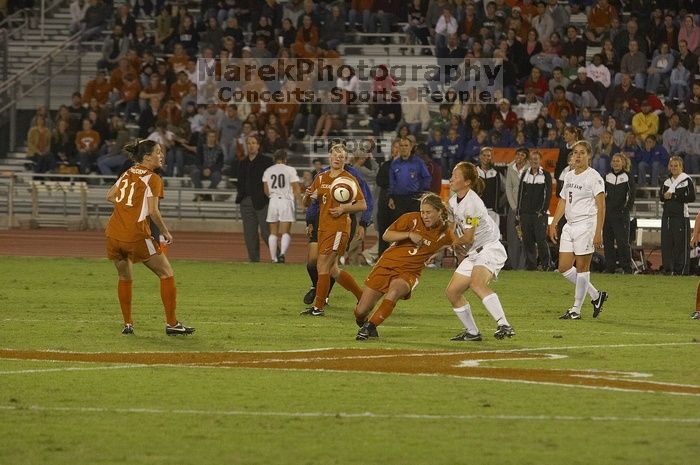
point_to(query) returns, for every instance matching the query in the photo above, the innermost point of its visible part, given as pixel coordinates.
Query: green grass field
(98, 413)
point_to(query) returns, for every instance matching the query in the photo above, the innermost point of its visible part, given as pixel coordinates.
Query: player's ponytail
(139, 148)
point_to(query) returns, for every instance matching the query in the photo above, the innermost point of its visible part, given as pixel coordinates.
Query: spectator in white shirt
(598, 72)
(446, 25)
(529, 110)
(414, 113)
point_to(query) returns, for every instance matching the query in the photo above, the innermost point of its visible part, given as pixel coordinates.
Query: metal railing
(64, 60)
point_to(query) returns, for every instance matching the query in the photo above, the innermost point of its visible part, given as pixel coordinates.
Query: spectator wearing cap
(505, 114)
(584, 92)
(651, 155)
(600, 18)
(645, 123)
(660, 69)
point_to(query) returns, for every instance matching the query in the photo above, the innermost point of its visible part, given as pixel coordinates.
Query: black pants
(675, 247)
(616, 241)
(384, 220)
(535, 240)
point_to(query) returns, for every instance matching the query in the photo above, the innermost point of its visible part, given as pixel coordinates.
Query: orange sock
(323, 285)
(168, 295)
(124, 293)
(697, 299)
(349, 283)
(383, 312)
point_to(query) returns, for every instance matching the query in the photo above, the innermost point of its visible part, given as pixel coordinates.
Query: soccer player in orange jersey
(135, 197)
(416, 236)
(694, 239)
(333, 228)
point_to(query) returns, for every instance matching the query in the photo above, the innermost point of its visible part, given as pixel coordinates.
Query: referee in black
(533, 201)
(619, 199)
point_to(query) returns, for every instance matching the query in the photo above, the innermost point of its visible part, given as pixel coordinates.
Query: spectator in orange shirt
(128, 103)
(118, 73)
(98, 87)
(87, 143)
(600, 19)
(307, 40)
(559, 102)
(180, 87)
(178, 62)
(155, 88)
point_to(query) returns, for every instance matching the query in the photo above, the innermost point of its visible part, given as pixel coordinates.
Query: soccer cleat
(598, 303)
(128, 329)
(696, 315)
(503, 331)
(310, 296)
(178, 329)
(466, 336)
(280, 258)
(313, 311)
(367, 331)
(569, 315)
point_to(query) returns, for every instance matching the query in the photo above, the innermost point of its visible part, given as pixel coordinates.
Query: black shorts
(314, 229)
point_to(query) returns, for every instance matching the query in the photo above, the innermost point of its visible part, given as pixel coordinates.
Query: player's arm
(266, 188)
(391, 235)
(465, 240)
(112, 193)
(600, 219)
(561, 206)
(154, 213)
(696, 231)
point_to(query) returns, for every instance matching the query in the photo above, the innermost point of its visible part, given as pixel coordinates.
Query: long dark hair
(139, 149)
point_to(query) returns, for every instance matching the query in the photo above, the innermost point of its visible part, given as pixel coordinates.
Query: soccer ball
(343, 190)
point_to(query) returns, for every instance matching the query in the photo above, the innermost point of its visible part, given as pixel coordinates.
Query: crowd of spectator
(626, 80)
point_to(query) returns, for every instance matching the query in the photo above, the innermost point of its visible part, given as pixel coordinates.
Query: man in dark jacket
(209, 162)
(252, 199)
(533, 201)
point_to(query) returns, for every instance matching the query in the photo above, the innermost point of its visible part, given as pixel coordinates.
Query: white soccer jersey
(579, 192)
(279, 178)
(470, 212)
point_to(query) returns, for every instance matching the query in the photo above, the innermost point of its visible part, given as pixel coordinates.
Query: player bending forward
(415, 237)
(477, 234)
(135, 197)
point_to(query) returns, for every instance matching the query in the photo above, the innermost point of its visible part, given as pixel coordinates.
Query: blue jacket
(472, 150)
(658, 153)
(437, 148)
(408, 177)
(366, 218)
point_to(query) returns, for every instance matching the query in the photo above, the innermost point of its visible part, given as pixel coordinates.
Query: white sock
(465, 316)
(286, 240)
(582, 282)
(272, 243)
(570, 275)
(493, 305)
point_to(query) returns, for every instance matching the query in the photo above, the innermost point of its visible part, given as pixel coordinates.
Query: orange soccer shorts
(332, 242)
(137, 252)
(380, 278)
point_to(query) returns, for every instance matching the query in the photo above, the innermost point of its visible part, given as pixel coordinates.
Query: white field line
(252, 323)
(47, 370)
(359, 349)
(362, 415)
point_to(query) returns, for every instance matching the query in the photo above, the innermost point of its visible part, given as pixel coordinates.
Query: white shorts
(492, 256)
(578, 237)
(280, 210)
